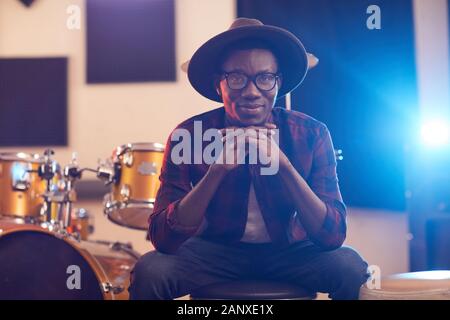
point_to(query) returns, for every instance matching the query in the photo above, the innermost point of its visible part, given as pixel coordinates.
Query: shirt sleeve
(324, 182)
(164, 231)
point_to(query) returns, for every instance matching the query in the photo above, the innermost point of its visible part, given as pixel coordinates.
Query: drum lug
(125, 191)
(128, 159)
(108, 287)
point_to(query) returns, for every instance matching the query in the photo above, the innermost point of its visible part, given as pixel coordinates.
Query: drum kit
(45, 251)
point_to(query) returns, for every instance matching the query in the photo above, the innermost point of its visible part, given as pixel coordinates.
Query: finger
(234, 152)
(232, 137)
(233, 134)
(253, 132)
(229, 129)
(267, 125)
(263, 147)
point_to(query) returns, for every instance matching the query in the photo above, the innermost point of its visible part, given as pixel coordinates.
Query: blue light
(435, 133)
(19, 172)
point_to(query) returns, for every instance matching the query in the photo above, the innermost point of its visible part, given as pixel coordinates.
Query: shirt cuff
(174, 224)
(333, 231)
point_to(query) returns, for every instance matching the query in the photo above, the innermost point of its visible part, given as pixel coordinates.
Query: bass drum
(39, 264)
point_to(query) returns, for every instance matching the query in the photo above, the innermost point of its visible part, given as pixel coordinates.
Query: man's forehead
(253, 57)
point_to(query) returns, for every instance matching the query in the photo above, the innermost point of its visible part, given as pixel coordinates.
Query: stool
(252, 290)
(424, 285)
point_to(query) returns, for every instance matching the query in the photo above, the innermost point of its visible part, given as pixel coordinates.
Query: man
(227, 220)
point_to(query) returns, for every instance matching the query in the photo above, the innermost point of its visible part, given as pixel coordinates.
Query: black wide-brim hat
(289, 51)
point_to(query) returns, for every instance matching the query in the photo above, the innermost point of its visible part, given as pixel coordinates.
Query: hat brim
(289, 51)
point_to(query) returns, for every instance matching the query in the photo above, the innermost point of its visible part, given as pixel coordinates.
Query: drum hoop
(109, 202)
(101, 276)
(116, 244)
(21, 156)
(140, 146)
(129, 204)
(20, 220)
(111, 206)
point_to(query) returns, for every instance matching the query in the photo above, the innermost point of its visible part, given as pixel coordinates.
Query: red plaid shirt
(307, 144)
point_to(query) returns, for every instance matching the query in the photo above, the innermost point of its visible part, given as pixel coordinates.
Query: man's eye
(236, 78)
(266, 77)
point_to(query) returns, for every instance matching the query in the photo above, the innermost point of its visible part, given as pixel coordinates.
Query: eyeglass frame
(252, 78)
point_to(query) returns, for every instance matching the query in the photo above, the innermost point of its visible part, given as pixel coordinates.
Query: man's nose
(251, 91)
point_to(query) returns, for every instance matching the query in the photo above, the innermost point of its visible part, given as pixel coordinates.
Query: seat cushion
(251, 290)
(424, 285)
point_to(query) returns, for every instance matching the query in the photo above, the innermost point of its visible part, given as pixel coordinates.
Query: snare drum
(21, 187)
(137, 170)
(39, 264)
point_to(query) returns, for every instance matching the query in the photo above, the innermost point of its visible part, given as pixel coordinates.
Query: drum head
(131, 217)
(21, 156)
(140, 146)
(38, 265)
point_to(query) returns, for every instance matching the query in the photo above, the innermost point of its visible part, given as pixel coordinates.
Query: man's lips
(250, 108)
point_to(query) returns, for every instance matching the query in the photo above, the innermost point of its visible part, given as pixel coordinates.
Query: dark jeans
(199, 262)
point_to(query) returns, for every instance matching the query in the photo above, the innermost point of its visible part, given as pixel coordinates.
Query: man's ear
(217, 85)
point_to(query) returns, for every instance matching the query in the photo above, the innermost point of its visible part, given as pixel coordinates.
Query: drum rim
(101, 275)
(19, 220)
(127, 248)
(21, 156)
(140, 146)
(111, 206)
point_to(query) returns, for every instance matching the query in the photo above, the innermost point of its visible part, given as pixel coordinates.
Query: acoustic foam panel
(130, 41)
(33, 101)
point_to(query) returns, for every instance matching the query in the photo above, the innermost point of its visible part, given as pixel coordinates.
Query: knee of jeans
(351, 265)
(152, 266)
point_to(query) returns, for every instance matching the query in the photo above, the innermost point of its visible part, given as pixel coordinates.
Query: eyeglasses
(265, 81)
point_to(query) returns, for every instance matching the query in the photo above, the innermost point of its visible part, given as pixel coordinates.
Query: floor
(381, 237)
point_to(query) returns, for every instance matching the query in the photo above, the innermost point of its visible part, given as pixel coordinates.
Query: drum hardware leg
(131, 252)
(71, 173)
(48, 207)
(117, 246)
(108, 287)
(47, 171)
(67, 217)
